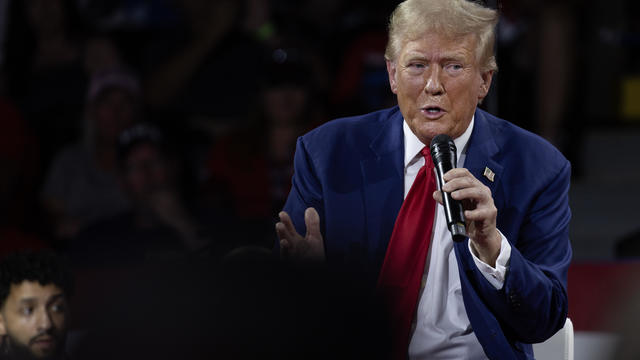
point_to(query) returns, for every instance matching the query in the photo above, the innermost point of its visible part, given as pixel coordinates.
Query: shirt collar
(413, 145)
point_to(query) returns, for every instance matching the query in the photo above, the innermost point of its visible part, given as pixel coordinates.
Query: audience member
(81, 185)
(538, 44)
(46, 77)
(361, 82)
(34, 316)
(189, 63)
(159, 224)
(249, 172)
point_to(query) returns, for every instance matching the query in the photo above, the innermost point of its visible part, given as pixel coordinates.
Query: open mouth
(433, 111)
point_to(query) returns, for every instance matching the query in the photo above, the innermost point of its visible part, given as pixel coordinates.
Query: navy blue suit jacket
(351, 171)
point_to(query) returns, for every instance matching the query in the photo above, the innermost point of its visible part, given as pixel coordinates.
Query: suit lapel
(481, 155)
(383, 175)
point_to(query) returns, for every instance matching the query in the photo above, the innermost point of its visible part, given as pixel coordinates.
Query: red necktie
(403, 267)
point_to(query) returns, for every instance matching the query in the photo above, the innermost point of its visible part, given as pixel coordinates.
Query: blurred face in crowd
(438, 82)
(285, 104)
(34, 320)
(114, 111)
(146, 172)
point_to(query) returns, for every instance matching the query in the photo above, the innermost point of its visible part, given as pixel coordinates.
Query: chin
(426, 134)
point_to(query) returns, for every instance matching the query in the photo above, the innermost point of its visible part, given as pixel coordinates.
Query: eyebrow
(455, 56)
(30, 300)
(55, 298)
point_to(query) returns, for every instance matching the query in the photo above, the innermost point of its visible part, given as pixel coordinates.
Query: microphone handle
(453, 210)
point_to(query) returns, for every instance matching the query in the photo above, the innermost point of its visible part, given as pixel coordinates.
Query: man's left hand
(480, 212)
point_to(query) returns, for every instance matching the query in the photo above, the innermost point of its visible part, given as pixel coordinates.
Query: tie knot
(427, 157)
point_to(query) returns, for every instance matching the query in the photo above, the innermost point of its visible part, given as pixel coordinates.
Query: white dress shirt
(442, 328)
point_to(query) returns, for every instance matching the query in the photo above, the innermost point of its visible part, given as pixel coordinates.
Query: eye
(58, 308)
(454, 68)
(26, 310)
(416, 68)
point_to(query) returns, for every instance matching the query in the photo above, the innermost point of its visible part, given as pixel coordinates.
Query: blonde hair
(413, 18)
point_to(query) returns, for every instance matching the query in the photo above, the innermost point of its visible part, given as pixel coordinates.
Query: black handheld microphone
(445, 158)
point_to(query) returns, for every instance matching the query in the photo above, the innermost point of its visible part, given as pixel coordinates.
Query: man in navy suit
(505, 287)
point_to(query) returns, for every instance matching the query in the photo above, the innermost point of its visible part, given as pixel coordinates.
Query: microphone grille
(440, 139)
(442, 146)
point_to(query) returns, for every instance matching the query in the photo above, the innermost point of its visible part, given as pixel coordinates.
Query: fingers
(286, 231)
(285, 248)
(285, 219)
(477, 194)
(464, 186)
(293, 245)
(459, 181)
(481, 213)
(282, 235)
(456, 173)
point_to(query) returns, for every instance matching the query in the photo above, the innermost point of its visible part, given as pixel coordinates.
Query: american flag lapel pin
(489, 174)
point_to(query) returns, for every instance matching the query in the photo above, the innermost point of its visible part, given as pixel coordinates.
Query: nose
(433, 85)
(43, 320)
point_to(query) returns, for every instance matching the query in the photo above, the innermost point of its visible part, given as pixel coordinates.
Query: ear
(487, 76)
(391, 70)
(3, 329)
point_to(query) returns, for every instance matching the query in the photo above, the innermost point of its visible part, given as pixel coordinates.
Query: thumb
(314, 237)
(312, 221)
(437, 196)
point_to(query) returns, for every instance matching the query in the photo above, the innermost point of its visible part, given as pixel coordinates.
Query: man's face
(438, 83)
(146, 172)
(34, 318)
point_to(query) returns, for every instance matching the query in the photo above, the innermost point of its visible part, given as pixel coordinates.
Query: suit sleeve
(306, 190)
(533, 303)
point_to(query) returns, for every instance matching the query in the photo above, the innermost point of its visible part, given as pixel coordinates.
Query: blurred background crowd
(135, 130)
(219, 92)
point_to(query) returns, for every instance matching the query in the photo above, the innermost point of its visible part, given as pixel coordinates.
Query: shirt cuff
(495, 276)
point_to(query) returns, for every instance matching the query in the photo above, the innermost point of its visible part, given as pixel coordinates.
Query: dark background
(271, 70)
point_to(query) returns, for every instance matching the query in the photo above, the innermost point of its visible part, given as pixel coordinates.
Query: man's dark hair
(142, 133)
(45, 267)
